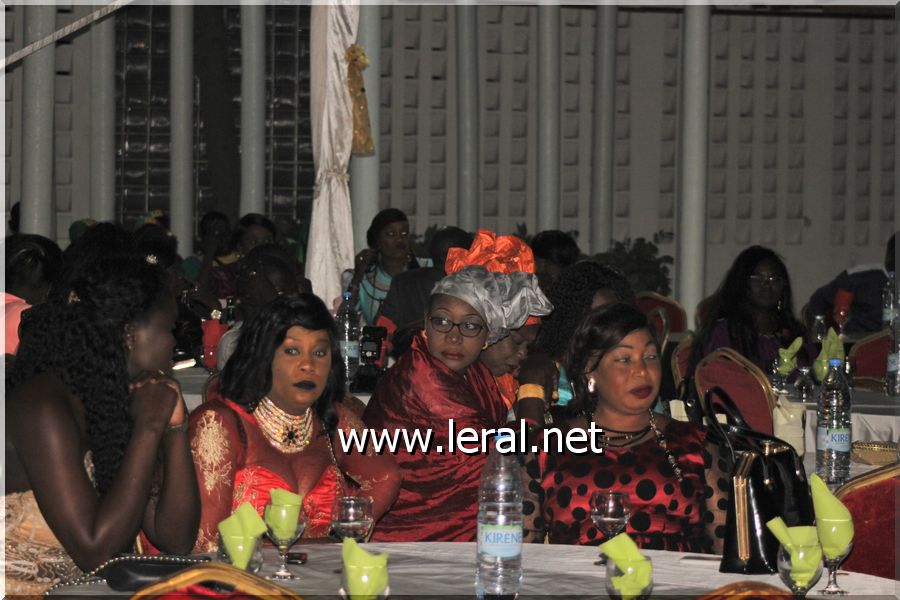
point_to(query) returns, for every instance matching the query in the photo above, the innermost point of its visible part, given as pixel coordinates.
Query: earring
(591, 385)
(780, 306)
(485, 346)
(424, 334)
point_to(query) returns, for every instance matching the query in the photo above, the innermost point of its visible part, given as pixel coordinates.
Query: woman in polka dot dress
(676, 482)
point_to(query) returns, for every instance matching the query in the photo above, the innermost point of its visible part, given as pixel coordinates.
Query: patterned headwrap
(497, 253)
(503, 301)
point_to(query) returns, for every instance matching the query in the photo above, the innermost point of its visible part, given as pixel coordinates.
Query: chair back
(744, 382)
(647, 301)
(680, 359)
(211, 388)
(660, 322)
(871, 499)
(868, 356)
(702, 310)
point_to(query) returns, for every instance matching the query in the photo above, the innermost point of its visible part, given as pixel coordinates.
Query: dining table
(444, 569)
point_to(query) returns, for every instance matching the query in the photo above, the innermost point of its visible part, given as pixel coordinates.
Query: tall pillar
(253, 109)
(38, 206)
(468, 181)
(603, 158)
(103, 120)
(691, 236)
(365, 173)
(548, 114)
(181, 110)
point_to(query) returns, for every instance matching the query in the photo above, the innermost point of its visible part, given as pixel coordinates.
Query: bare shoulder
(38, 398)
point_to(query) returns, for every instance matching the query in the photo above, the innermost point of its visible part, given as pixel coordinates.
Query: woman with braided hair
(96, 432)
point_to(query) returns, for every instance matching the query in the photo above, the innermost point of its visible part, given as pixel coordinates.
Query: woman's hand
(364, 260)
(538, 369)
(157, 402)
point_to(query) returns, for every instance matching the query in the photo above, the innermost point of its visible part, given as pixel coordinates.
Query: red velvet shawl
(438, 496)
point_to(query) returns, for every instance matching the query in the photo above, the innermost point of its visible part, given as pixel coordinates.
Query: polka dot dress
(666, 514)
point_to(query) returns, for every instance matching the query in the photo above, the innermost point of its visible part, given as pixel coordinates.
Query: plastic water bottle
(498, 571)
(348, 330)
(892, 373)
(889, 306)
(804, 387)
(833, 435)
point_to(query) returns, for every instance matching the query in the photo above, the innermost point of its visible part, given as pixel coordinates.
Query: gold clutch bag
(874, 453)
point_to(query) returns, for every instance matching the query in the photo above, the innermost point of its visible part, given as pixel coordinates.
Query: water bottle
(804, 387)
(819, 328)
(892, 373)
(498, 571)
(889, 306)
(833, 435)
(348, 332)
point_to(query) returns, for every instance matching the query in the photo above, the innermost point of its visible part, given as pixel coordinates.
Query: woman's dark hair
(248, 221)
(732, 303)
(247, 376)
(382, 220)
(209, 219)
(99, 242)
(31, 259)
(601, 330)
(572, 296)
(81, 340)
(555, 246)
(155, 242)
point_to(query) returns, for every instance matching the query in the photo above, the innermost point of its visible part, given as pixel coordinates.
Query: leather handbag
(767, 481)
(130, 572)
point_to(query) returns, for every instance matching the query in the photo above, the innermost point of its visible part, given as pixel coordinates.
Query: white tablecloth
(429, 569)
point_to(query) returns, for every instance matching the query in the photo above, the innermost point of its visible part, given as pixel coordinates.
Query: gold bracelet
(530, 390)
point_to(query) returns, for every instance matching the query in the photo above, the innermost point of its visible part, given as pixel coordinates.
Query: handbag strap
(95, 576)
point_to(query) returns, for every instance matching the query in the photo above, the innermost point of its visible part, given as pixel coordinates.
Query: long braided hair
(81, 340)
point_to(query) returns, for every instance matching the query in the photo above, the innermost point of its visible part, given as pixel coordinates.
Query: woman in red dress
(674, 478)
(276, 424)
(441, 378)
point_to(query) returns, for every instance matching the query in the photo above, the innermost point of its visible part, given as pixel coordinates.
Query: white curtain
(330, 249)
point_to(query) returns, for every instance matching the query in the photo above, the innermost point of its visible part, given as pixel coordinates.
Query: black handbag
(767, 481)
(130, 572)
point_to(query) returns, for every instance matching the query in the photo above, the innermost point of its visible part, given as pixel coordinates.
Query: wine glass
(285, 523)
(624, 580)
(240, 544)
(351, 517)
(610, 512)
(836, 537)
(800, 577)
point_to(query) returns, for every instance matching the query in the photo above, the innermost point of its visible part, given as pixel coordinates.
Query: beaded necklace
(288, 433)
(626, 437)
(661, 440)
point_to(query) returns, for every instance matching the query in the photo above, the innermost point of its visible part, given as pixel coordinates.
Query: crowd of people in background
(486, 329)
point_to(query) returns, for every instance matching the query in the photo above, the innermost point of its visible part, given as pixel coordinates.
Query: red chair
(872, 500)
(702, 310)
(210, 389)
(743, 381)
(647, 301)
(660, 322)
(868, 356)
(680, 358)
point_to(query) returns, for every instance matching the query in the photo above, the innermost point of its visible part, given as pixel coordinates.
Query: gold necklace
(286, 432)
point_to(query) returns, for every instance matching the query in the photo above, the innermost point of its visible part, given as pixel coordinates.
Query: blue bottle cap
(346, 295)
(834, 362)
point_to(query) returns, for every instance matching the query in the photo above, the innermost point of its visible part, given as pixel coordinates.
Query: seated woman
(752, 312)
(581, 287)
(276, 424)
(671, 474)
(438, 379)
(96, 433)
(388, 255)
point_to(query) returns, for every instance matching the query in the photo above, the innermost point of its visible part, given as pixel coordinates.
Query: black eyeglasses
(771, 279)
(466, 328)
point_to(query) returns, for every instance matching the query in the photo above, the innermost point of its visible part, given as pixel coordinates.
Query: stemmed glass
(625, 571)
(285, 523)
(833, 534)
(811, 554)
(610, 512)
(351, 517)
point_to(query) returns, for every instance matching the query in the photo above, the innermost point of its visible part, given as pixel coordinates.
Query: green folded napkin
(787, 357)
(832, 347)
(833, 521)
(637, 571)
(365, 574)
(240, 533)
(283, 513)
(803, 544)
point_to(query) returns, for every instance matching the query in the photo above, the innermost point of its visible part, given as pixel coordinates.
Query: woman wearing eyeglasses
(438, 379)
(752, 312)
